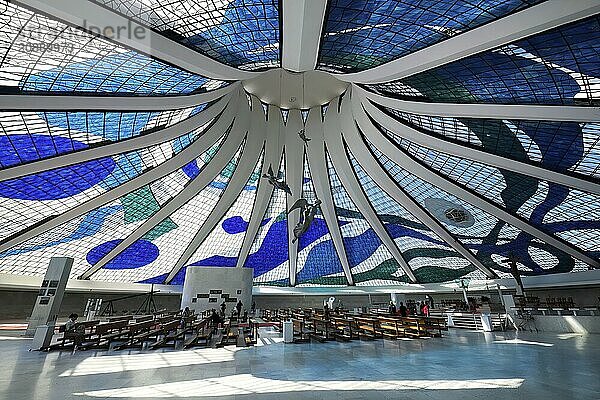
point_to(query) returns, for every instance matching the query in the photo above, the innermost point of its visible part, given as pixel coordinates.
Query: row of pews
(313, 324)
(154, 332)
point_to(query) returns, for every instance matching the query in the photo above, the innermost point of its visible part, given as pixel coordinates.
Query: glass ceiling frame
(358, 105)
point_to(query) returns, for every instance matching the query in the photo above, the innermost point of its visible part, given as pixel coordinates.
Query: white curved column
(344, 170)
(273, 150)
(533, 20)
(294, 176)
(391, 151)
(245, 167)
(68, 102)
(264, 191)
(494, 111)
(318, 168)
(474, 154)
(135, 36)
(188, 154)
(138, 142)
(303, 22)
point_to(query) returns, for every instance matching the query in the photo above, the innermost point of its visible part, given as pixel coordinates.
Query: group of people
(422, 307)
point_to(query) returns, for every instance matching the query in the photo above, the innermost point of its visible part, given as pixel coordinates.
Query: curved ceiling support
(385, 182)
(86, 14)
(84, 102)
(344, 171)
(302, 25)
(494, 111)
(390, 150)
(208, 173)
(138, 142)
(199, 146)
(475, 154)
(245, 167)
(532, 20)
(264, 191)
(294, 174)
(318, 167)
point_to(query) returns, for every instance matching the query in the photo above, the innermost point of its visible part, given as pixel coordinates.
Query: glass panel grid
(268, 254)
(177, 231)
(486, 236)
(42, 55)
(241, 33)
(430, 258)
(361, 34)
(317, 257)
(559, 66)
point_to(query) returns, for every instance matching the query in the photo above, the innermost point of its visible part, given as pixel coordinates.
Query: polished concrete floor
(462, 365)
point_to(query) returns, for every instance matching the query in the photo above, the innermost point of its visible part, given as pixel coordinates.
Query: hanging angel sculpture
(276, 182)
(302, 135)
(307, 214)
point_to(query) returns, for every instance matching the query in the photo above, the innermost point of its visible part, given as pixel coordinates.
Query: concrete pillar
(50, 295)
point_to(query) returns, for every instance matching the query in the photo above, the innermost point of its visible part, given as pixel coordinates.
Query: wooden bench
(323, 329)
(137, 332)
(200, 334)
(368, 328)
(345, 329)
(391, 328)
(302, 330)
(106, 333)
(84, 328)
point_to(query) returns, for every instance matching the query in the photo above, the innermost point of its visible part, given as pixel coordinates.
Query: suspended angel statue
(276, 182)
(307, 214)
(302, 135)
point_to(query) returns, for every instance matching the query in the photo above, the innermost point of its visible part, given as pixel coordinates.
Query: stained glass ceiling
(144, 150)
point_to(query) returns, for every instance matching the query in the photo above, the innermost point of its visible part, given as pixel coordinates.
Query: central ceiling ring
(295, 90)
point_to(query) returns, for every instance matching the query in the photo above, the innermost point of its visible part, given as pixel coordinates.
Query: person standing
(238, 308)
(425, 309)
(223, 308)
(392, 308)
(403, 310)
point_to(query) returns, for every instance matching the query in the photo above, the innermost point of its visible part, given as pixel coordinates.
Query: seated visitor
(73, 331)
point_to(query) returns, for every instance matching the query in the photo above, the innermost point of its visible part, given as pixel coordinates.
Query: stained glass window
(361, 34)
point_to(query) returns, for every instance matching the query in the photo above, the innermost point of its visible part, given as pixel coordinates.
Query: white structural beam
(320, 180)
(138, 142)
(386, 183)
(68, 102)
(122, 30)
(245, 168)
(475, 154)
(344, 170)
(294, 175)
(188, 154)
(206, 176)
(533, 20)
(494, 111)
(302, 25)
(391, 151)
(264, 191)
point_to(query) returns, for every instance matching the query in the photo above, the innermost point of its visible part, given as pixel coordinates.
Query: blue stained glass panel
(560, 66)
(240, 33)
(366, 33)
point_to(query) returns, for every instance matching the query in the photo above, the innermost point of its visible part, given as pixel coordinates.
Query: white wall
(207, 287)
